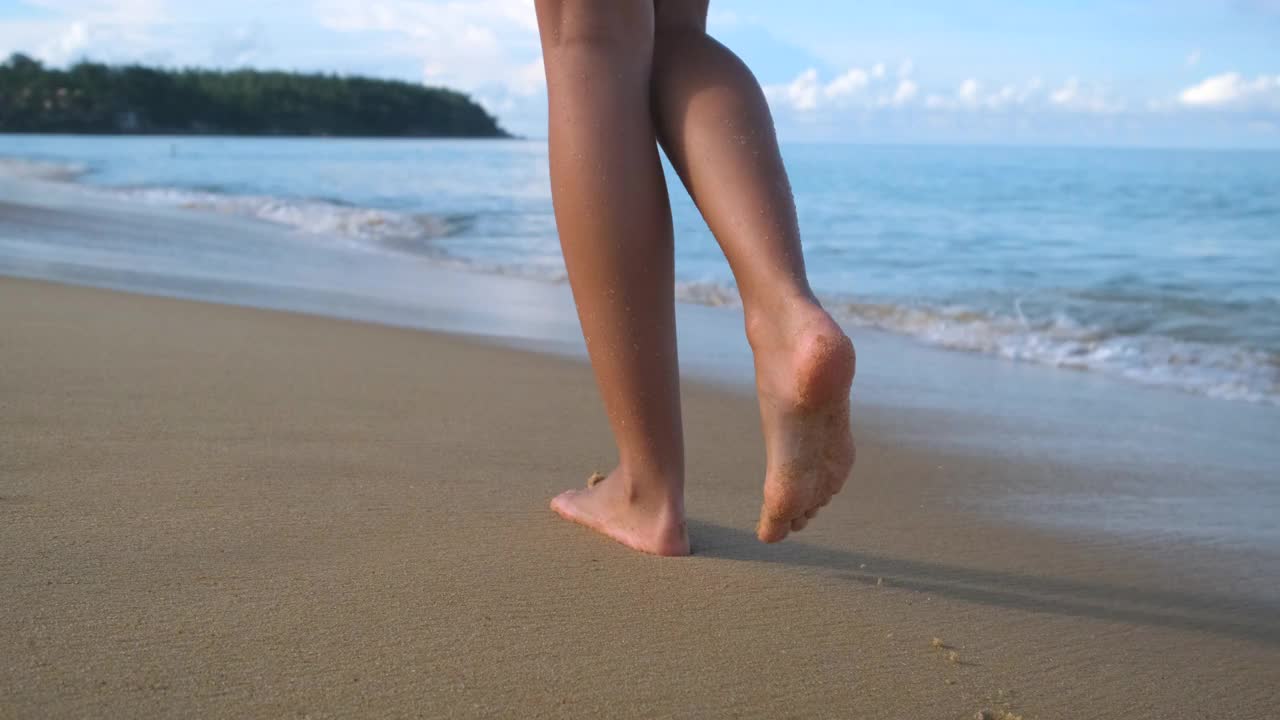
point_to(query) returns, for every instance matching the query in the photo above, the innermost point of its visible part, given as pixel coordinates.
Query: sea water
(1160, 267)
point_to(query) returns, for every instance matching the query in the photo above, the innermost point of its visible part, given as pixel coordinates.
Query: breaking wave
(1055, 337)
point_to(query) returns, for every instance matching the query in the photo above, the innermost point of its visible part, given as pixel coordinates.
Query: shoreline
(208, 509)
(1104, 455)
(1183, 363)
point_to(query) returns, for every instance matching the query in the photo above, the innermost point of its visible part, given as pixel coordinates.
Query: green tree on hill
(95, 98)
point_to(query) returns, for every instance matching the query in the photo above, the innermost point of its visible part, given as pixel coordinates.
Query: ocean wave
(1221, 371)
(41, 169)
(1217, 370)
(316, 217)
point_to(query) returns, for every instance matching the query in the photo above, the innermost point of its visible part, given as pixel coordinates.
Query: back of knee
(611, 27)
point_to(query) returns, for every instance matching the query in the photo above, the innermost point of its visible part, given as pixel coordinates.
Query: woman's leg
(714, 123)
(614, 220)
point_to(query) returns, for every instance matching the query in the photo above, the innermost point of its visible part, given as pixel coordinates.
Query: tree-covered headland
(92, 97)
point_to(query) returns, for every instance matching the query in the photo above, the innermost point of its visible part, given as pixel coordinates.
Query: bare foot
(804, 368)
(611, 507)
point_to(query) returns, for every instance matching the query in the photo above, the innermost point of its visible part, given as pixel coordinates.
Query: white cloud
(67, 46)
(1193, 59)
(969, 95)
(1081, 98)
(852, 81)
(1003, 97)
(1232, 90)
(1067, 93)
(475, 45)
(877, 71)
(108, 12)
(807, 93)
(76, 29)
(859, 88)
(905, 93)
(241, 45)
(529, 79)
(802, 93)
(1028, 92)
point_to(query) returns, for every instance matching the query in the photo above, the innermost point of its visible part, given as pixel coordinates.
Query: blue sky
(1120, 72)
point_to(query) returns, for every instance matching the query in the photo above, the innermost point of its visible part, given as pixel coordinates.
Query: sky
(1198, 73)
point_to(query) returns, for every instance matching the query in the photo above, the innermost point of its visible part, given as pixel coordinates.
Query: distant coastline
(93, 98)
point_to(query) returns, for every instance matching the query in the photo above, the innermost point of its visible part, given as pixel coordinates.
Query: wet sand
(216, 511)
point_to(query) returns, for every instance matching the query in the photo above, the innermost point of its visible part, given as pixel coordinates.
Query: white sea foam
(1216, 370)
(316, 217)
(40, 169)
(1212, 369)
(1220, 371)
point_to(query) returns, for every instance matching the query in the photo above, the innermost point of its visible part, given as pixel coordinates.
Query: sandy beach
(218, 511)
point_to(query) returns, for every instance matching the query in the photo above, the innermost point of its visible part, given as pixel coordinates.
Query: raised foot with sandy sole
(804, 408)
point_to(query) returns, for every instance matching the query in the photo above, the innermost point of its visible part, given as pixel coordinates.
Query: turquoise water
(1157, 266)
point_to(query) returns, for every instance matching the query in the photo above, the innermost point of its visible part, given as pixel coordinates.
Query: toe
(799, 523)
(771, 530)
(563, 503)
(811, 513)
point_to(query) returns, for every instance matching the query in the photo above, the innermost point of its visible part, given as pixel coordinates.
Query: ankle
(643, 484)
(650, 479)
(778, 321)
